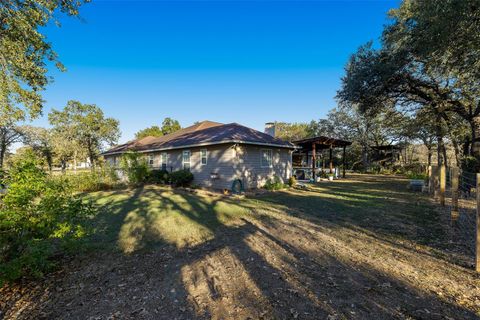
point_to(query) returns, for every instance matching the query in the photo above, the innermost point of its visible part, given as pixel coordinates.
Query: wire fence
(456, 190)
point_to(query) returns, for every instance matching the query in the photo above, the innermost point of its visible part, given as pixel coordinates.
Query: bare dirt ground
(362, 248)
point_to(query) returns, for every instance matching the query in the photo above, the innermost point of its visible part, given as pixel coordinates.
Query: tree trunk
(49, 161)
(3, 149)
(365, 157)
(456, 148)
(91, 155)
(440, 143)
(445, 158)
(475, 147)
(466, 147)
(429, 159)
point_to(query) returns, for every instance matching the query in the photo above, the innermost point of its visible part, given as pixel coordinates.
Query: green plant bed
(417, 176)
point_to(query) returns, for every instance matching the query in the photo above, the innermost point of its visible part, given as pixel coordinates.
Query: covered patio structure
(310, 154)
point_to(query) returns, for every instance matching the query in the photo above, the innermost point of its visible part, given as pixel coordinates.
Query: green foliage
(39, 218)
(471, 164)
(153, 131)
(85, 126)
(181, 178)
(40, 140)
(292, 181)
(99, 180)
(159, 176)
(428, 64)
(292, 131)
(274, 183)
(23, 54)
(170, 125)
(135, 167)
(9, 134)
(444, 33)
(323, 174)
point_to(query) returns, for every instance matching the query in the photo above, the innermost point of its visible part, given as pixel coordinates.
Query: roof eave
(203, 145)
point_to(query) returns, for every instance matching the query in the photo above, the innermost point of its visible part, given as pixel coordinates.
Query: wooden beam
(314, 160)
(331, 159)
(343, 160)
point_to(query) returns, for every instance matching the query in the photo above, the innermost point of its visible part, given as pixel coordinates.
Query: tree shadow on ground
(382, 208)
(263, 266)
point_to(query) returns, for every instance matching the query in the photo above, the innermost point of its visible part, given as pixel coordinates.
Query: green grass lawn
(144, 217)
(152, 215)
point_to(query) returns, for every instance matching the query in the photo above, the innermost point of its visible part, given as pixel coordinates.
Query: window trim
(270, 164)
(151, 159)
(203, 157)
(163, 164)
(189, 159)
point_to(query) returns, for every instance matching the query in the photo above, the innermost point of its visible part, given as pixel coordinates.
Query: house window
(203, 156)
(186, 159)
(163, 160)
(266, 157)
(151, 159)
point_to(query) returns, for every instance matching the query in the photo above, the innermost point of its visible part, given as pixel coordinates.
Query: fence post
(454, 176)
(477, 231)
(443, 183)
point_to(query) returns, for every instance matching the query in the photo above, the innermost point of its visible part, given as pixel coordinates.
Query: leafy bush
(88, 181)
(181, 178)
(135, 167)
(159, 176)
(39, 218)
(292, 181)
(274, 184)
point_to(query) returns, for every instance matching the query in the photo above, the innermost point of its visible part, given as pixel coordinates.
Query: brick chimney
(270, 128)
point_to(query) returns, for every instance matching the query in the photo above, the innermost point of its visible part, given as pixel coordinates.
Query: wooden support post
(314, 160)
(477, 233)
(436, 181)
(454, 173)
(331, 159)
(443, 183)
(343, 160)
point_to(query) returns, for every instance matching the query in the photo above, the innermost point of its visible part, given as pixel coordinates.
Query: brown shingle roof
(203, 133)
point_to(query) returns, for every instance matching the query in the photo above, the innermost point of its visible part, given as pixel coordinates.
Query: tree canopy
(24, 51)
(414, 70)
(170, 125)
(86, 125)
(153, 131)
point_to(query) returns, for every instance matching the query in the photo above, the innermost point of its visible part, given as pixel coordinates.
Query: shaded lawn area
(148, 216)
(361, 248)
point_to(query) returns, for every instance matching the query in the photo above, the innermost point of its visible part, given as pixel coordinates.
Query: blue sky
(229, 61)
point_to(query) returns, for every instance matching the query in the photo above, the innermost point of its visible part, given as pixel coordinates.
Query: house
(217, 154)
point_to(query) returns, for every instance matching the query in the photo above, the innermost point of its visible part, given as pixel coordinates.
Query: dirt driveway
(363, 248)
